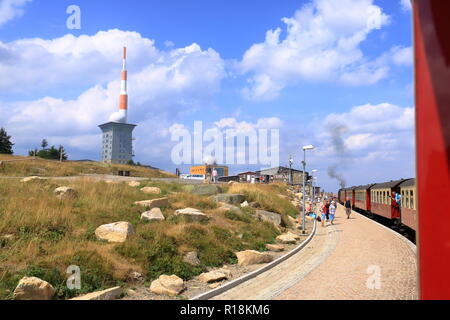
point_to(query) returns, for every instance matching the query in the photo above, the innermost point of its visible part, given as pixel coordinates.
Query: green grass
(51, 234)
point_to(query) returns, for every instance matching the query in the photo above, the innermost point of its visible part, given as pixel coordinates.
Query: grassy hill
(27, 166)
(41, 235)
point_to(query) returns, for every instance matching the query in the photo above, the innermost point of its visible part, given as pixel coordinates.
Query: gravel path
(354, 259)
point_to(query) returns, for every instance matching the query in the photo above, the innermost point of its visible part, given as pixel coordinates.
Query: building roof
(365, 187)
(247, 172)
(389, 184)
(408, 183)
(117, 124)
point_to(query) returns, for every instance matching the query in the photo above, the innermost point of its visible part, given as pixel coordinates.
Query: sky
(334, 74)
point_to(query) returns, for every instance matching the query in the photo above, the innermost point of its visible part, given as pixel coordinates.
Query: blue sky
(345, 64)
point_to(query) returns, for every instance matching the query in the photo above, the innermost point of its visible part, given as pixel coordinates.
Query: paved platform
(353, 259)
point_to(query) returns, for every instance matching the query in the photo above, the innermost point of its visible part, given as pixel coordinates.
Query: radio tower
(117, 144)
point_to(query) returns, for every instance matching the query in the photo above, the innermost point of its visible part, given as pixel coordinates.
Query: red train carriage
(382, 202)
(341, 196)
(409, 204)
(362, 197)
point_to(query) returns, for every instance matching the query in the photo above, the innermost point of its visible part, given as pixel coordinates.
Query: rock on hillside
(249, 257)
(33, 288)
(108, 294)
(268, 216)
(151, 190)
(192, 213)
(65, 192)
(203, 189)
(168, 285)
(160, 202)
(229, 198)
(212, 276)
(155, 214)
(114, 232)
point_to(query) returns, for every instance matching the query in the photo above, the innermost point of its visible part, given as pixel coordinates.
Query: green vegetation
(28, 166)
(5, 142)
(41, 235)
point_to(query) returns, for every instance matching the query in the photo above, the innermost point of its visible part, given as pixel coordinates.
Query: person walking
(327, 213)
(214, 174)
(348, 208)
(324, 213)
(332, 210)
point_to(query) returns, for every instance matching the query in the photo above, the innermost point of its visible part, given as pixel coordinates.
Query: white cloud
(10, 9)
(382, 128)
(402, 56)
(39, 64)
(163, 85)
(406, 5)
(322, 43)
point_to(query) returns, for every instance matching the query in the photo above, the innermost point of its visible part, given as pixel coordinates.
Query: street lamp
(291, 161)
(314, 190)
(308, 147)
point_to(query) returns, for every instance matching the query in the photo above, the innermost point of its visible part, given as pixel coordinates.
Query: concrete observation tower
(117, 139)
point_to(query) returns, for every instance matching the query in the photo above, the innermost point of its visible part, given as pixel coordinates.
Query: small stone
(215, 285)
(249, 257)
(244, 204)
(159, 202)
(167, 285)
(155, 214)
(235, 199)
(65, 192)
(108, 294)
(286, 239)
(192, 213)
(33, 288)
(151, 190)
(274, 247)
(32, 178)
(192, 258)
(212, 276)
(135, 276)
(134, 183)
(114, 232)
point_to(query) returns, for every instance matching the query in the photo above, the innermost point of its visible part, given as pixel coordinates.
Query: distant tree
(51, 153)
(32, 153)
(44, 144)
(5, 142)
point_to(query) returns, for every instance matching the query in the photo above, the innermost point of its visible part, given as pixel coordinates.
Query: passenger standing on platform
(324, 213)
(327, 206)
(332, 209)
(348, 208)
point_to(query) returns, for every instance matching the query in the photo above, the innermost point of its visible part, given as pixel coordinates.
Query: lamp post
(291, 161)
(308, 147)
(313, 189)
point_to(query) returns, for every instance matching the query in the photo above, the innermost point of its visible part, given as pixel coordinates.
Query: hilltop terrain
(42, 233)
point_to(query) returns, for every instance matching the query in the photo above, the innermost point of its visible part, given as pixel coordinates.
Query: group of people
(327, 211)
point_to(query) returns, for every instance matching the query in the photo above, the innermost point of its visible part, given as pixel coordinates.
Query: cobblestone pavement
(354, 259)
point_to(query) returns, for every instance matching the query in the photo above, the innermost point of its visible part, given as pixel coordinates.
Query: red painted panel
(432, 79)
(409, 218)
(381, 209)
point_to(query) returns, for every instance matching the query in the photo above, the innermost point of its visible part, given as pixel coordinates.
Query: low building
(281, 174)
(248, 176)
(206, 170)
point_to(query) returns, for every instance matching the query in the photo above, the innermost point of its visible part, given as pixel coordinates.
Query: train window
(384, 197)
(403, 196)
(411, 199)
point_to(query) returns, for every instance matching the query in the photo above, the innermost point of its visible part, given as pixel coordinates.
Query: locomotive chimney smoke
(121, 115)
(341, 151)
(335, 175)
